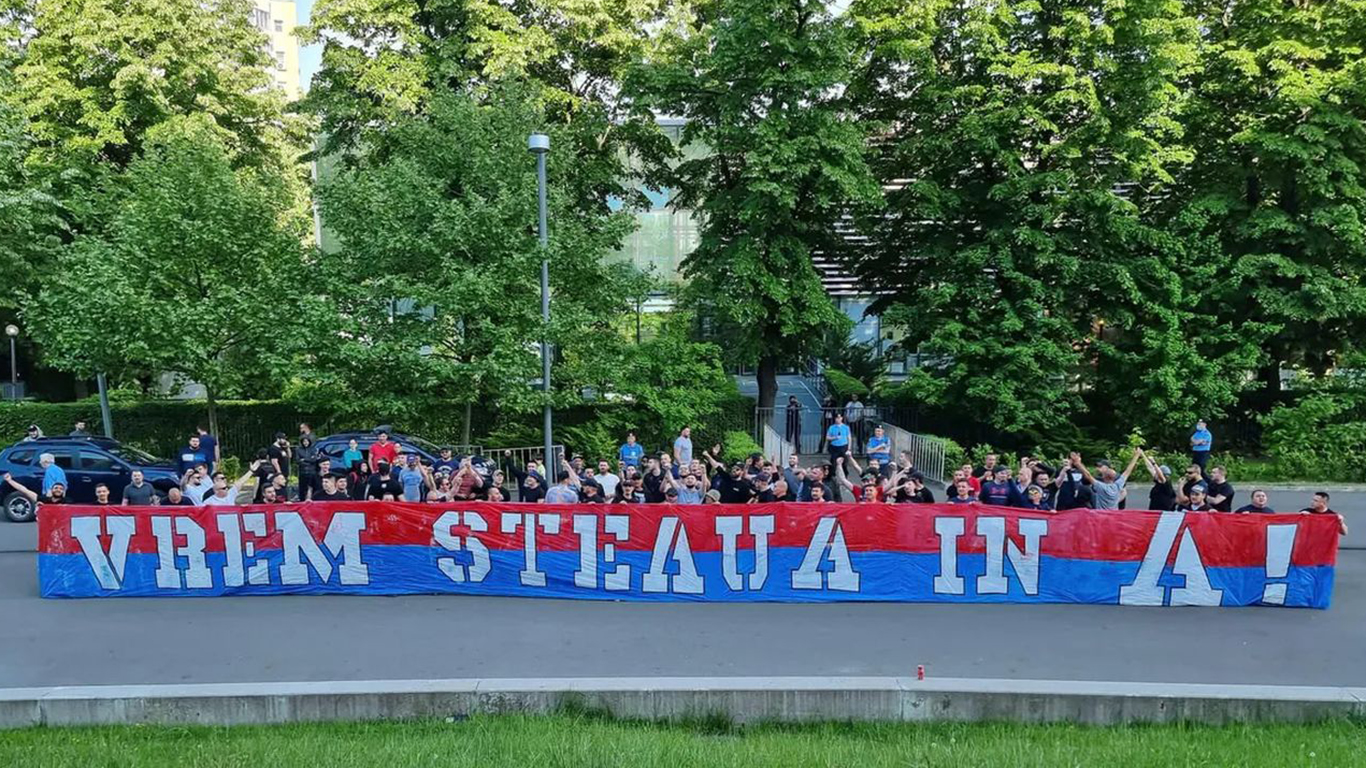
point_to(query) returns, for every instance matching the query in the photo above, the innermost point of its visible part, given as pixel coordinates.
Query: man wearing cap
(837, 438)
(32, 433)
(1201, 443)
(1196, 501)
(712, 497)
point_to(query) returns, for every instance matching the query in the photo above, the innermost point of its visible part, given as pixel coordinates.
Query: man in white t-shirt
(224, 495)
(607, 480)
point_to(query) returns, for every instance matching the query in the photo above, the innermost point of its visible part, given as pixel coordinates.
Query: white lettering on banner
(1146, 588)
(550, 523)
(948, 529)
(619, 578)
(829, 537)
(1280, 543)
(999, 547)
(108, 564)
(586, 528)
(256, 570)
(342, 541)
(729, 528)
(672, 543)
(169, 575)
(453, 542)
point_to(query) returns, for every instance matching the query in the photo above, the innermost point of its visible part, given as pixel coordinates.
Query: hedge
(842, 385)
(161, 427)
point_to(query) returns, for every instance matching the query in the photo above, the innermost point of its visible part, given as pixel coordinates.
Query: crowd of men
(297, 471)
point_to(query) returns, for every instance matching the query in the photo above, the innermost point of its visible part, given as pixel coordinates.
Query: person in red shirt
(382, 451)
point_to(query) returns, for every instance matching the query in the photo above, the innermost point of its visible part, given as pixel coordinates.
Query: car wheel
(19, 509)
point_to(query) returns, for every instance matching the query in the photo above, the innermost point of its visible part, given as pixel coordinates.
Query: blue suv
(88, 461)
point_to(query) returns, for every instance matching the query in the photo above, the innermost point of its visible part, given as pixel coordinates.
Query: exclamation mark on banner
(1280, 542)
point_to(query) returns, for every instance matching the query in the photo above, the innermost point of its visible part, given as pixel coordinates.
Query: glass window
(63, 457)
(22, 456)
(96, 462)
(279, 26)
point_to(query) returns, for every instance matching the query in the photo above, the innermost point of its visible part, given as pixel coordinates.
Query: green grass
(587, 740)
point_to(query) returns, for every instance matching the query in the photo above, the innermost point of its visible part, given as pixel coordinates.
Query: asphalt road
(253, 639)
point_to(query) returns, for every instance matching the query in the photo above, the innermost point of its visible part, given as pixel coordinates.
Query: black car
(87, 461)
(335, 446)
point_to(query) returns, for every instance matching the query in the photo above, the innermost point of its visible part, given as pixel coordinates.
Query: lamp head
(11, 330)
(538, 142)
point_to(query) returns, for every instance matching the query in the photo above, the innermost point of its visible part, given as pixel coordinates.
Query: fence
(803, 430)
(519, 457)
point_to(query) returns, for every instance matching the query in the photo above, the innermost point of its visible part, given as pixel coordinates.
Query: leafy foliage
(842, 385)
(434, 293)
(193, 273)
(755, 80)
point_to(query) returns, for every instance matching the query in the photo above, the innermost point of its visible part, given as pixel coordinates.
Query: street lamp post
(12, 331)
(539, 144)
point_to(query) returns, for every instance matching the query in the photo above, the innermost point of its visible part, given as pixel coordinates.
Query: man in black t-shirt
(736, 487)
(1219, 491)
(279, 454)
(382, 484)
(329, 492)
(1319, 506)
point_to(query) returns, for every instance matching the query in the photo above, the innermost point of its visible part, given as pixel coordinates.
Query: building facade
(277, 19)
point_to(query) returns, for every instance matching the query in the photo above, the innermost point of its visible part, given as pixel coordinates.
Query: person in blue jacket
(631, 452)
(1201, 443)
(837, 438)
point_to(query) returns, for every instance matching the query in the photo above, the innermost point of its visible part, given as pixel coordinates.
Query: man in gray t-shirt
(1109, 487)
(683, 448)
(138, 493)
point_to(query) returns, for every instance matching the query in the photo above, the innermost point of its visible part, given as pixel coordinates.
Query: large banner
(755, 552)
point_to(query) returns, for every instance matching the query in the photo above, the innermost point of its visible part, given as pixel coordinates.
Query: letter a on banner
(829, 536)
(688, 581)
(1146, 590)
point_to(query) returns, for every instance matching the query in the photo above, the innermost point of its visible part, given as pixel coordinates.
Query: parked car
(333, 446)
(88, 461)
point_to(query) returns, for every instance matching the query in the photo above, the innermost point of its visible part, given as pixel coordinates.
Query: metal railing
(803, 430)
(519, 457)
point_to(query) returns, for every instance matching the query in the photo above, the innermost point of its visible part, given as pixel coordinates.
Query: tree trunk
(768, 380)
(213, 412)
(469, 414)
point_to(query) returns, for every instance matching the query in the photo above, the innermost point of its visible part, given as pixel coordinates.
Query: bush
(842, 385)
(738, 446)
(1321, 437)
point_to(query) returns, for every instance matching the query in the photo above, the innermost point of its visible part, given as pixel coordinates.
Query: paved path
(258, 639)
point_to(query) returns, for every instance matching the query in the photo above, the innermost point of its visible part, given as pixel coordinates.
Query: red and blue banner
(743, 553)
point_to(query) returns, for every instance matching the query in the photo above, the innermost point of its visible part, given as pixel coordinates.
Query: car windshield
(429, 447)
(133, 455)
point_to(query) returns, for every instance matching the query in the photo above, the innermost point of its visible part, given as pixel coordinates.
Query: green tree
(1277, 119)
(1024, 144)
(433, 295)
(98, 74)
(757, 81)
(193, 273)
(85, 83)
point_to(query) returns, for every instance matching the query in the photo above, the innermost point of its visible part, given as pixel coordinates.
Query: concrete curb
(665, 698)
